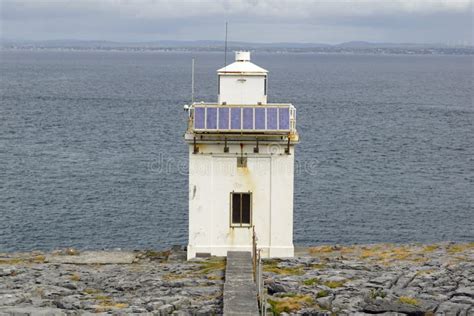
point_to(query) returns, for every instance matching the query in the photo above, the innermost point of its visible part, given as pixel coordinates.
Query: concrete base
(221, 251)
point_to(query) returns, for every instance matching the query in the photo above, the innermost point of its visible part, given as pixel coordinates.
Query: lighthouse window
(241, 209)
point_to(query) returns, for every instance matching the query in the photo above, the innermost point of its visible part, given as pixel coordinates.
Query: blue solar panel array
(258, 118)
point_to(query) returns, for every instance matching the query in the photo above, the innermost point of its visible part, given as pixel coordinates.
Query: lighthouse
(241, 166)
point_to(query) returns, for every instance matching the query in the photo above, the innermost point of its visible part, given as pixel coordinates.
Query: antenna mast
(225, 47)
(192, 81)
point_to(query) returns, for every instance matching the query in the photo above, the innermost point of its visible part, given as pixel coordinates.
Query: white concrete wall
(242, 89)
(213, 175)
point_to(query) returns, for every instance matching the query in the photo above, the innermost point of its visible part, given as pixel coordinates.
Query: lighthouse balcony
(273, 118)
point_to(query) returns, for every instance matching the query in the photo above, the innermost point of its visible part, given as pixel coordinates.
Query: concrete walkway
(240, 291)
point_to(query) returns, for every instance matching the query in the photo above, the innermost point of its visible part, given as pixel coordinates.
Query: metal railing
(258, 274)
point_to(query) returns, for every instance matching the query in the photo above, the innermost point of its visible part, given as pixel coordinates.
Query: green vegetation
(157, 255)
(273, 267)
(288, 294)
(374, 293)
(12, 261)
(75, 277)
(17, 260)
(322, 293)
(290, 304)
(334, 284)
(321, 249)
(430, 248)
(454, 249)
(211, 265)
(329, 284)
(408, 300)
(311, 281)
(318, 266)
(91, 291)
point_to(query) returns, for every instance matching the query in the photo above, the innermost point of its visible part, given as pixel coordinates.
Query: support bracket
(196, 147)
(256, 149)
(287, 149)
(226, 148)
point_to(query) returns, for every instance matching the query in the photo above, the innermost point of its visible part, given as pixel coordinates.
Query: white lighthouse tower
(241, 166)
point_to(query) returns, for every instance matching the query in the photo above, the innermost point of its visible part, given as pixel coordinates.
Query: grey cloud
(251, 20)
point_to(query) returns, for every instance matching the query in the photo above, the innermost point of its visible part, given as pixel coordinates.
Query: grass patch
(289, 294)
(12, 261)
(101, 297)
(91, 291)
(334, 284)
(322, 293)
(400, 253)
(329, 284)
(430, 248)
(454, 249)
(321, 249)
(112, 304)
(318, 266)
(213, 264)
(284, 270)
(374, 293)
(156, 255)
(38, 259)
(214, 277)
(290, 304)
(16, 261)
(347, 249)
(420, 260)
(311, 281)
(75, 277)
(424, 272)
(271, 262)
(387, 254)
(174, 276)
(408, 300)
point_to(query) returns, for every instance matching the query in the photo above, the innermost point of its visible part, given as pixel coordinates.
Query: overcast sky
(328, 21)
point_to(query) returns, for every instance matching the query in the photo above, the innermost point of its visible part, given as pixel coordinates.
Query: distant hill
(162, 43)
(361, 44)
(359, 47)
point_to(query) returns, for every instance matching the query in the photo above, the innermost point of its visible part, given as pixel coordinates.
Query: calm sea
(92, 154)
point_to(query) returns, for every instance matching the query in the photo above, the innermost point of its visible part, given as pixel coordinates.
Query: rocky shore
(381, 279)
(117, 282)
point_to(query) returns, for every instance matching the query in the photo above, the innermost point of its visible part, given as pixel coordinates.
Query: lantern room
(242, 82)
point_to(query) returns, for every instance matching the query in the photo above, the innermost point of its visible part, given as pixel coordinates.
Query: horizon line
(236, 42)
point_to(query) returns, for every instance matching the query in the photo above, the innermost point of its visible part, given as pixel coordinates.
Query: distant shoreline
(467, 51)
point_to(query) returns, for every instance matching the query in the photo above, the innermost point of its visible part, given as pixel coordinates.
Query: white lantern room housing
(241, 166)
(242, 82)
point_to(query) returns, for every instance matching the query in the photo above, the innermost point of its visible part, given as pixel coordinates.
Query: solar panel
(284, 118)
(211, 118)
(199, 115)
(260, 118)
(248, 118)
(272, 118)
(223, 118)
(235, 118)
